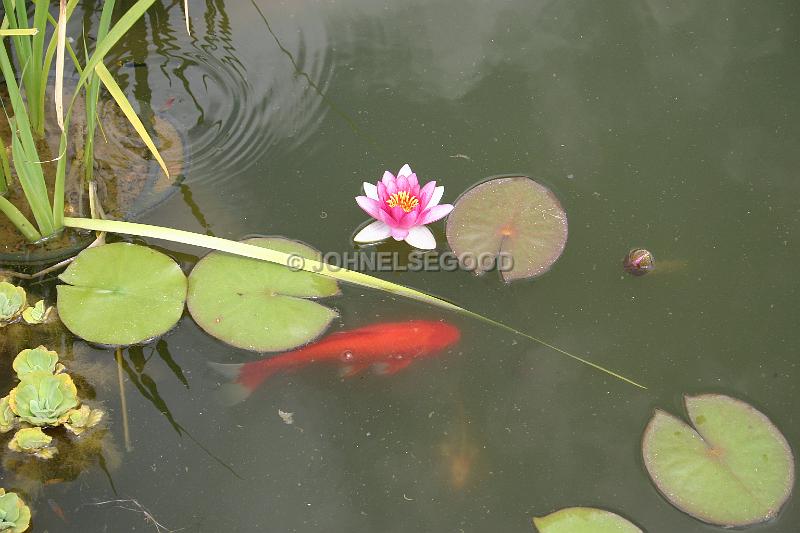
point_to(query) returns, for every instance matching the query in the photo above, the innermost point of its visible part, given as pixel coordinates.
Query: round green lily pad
(516, 220)
(260, 306)
(733, 468)
(584, 520)
(121, 293)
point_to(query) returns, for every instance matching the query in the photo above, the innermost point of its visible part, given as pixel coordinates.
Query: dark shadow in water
(149, 390)
(163, 351)
(197, 213)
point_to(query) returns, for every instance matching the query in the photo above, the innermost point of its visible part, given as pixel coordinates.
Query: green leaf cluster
(15, 516)
(14, 306)
(45, 396)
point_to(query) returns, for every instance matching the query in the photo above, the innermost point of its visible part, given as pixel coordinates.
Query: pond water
(666, 125)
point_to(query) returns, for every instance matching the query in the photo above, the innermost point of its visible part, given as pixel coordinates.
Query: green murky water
(667, 125)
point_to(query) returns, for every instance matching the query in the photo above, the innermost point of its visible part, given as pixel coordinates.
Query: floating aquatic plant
(33, 441)
(121, 293)
(733, 468)
(260, 306)
(43, 399)
(8, 420)
(402, 209)
(79, 420)
(584, 520)
(12, 302)
(515, 219)
(36, 360)
(15, 516)
(37, 314)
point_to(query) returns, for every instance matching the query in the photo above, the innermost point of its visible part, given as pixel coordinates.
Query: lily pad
(584, 520)
(733, 468)
(516, 220)
(120, 294)
(260, 306)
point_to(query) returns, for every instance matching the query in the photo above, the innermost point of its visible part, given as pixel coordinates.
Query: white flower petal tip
(405, 171)
(371, 190)
(421, 237)
(377, 231)
(438, 192)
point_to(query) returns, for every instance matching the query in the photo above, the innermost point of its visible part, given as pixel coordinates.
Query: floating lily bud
(639, 262)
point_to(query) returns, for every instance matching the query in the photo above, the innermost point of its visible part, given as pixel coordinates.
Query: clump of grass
(27, 125)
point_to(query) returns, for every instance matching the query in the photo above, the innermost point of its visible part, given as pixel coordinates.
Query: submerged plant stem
(123, 402)
(274, 256)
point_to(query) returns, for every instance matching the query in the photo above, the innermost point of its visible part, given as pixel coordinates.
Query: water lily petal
(377, 231)
(391, 187)
(413, 183)
(436, 212)
(421, 237)
(426, 193)
(438, 192)
(396, 213)
(399, 234)
(371, 191)
(405, 171)
(402, 183)
(409, 219)
(372, 207)
(387, 178)
(382, 194)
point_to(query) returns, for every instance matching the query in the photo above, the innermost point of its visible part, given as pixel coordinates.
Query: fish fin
(387, 368)
(352, 370)
(230, 394)
(230, 372)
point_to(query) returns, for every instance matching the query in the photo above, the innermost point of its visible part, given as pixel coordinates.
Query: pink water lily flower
(401, 209)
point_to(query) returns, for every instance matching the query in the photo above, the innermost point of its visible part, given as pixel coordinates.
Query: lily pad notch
(516, 220)
(732, 467)
(121, 294)
(260, 306)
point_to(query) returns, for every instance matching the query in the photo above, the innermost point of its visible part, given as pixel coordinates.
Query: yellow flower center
(406, 201)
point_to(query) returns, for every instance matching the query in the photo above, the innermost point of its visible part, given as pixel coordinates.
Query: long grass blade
(51, 51)
(37, 78)
(115, 91)
(5, 167)
(19, 220)
(61, 33)
(102, 48)
(93, 94)
(17, 33)
(31, 178)
(274, 256)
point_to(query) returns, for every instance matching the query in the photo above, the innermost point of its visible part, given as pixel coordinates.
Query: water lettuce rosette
(12, 302)
(15, 516)
(38, 359)
(79, 420)
(33, 441)
(43, 399)
(7, 417)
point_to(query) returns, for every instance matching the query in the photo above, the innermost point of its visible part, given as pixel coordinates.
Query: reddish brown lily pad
(515, 220)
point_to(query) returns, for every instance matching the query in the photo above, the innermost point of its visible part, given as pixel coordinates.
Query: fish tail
(243, 379)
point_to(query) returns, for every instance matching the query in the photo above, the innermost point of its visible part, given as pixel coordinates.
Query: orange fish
(388, 347)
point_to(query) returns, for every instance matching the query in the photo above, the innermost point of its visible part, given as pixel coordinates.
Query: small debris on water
(461, 156)
(288, 418)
